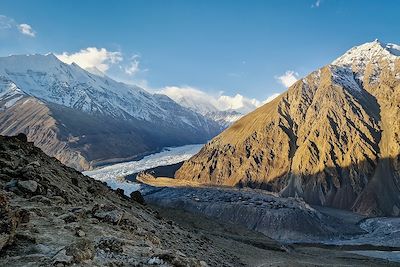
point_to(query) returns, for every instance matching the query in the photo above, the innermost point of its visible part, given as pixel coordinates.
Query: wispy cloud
(26, 29)
(316, 4)
(92, 57)
(133, 67)
(288, 78)
(9, 24)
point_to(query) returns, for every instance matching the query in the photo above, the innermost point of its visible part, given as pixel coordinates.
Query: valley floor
(239, 221)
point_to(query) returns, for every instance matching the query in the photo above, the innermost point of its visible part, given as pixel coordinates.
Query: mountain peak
(374, 51)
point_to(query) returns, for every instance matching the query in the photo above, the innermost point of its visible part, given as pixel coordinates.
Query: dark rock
(24, 215)
(112, 244)
(68, 218)
(74, 181)
(22, 137)
(137, 197)
(8, 223)
(120, 192)
(11, 185)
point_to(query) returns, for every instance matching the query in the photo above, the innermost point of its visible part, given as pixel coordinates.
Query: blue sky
(216, 46)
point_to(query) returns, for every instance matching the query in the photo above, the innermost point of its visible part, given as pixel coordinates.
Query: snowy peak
(358, 56)
(350, 69)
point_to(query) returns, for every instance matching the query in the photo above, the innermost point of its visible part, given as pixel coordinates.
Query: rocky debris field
(51, 214)
(284, 219)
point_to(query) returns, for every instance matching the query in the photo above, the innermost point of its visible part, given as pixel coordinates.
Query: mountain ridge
(54, 103)
(299, 143)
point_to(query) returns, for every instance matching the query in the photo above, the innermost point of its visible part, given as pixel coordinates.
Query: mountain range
(86, 120)
(332, 138)
(223, 109)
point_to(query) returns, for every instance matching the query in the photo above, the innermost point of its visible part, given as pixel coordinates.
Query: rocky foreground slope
(51, 214)
(85, 120)
(333, 138)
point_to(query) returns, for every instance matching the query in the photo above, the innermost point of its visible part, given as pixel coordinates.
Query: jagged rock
(62, 259)
(11, 185)
(112, 244)
(68, 217)
(121, 192)
(8, 222)
(79, 232)
(23, 215)
(137, 197)
(29, 186)
(108, 213)
(81, 251)
(22, 137)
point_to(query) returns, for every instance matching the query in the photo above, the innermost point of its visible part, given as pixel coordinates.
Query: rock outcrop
(333, 138)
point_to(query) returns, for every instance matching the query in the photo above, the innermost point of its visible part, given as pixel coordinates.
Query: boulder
(137, 197)
(81, 251)
(29, 186)
(107, 213)
(22, 137)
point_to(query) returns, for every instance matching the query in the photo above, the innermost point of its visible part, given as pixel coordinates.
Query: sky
(218, 48)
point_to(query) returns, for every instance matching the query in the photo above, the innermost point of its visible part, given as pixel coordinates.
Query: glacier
(114, 174)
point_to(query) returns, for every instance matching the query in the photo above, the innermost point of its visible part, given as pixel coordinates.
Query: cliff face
(332, 138)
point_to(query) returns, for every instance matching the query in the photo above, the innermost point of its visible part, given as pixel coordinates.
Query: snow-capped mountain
(224, 109)
(69, 96)
(332, 138)
(224, 117)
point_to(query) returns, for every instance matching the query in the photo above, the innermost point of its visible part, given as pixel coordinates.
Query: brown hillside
(332, 138)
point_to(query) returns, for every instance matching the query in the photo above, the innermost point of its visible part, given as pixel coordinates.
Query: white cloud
(9, 24)
(289, 78)
(203, 102)
(26, 29)
(238, 103)
(92, 57)
(316, 4)
(133, 67)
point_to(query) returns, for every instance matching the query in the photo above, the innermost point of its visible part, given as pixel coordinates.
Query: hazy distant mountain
(223, 109)
(333, 138)
(85, 119)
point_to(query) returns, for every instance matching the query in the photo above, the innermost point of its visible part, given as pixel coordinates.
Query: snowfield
(113, 174)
